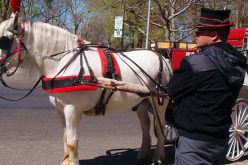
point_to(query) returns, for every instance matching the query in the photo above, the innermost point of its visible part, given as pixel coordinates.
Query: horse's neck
(43, 40)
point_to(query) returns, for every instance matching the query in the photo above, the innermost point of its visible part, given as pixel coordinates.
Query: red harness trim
(104, 63)
(80, 87)
(68, 88)
(71, 89)
(212, 19)
(201, 25)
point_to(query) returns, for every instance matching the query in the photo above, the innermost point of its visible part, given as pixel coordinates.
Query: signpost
(118, 26)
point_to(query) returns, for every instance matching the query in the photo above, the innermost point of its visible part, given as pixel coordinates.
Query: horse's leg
(62, 117)
(159, 112)
(66, 151)
(72, 121)
(145, 151)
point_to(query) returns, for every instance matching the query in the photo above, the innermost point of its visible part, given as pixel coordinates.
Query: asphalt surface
(31, 134)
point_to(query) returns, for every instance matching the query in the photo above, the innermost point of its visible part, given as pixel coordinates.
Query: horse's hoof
(158, 162)
(142, 162)
(67, 162)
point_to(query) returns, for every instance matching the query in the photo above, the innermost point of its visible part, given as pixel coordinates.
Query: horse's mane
(3, 26)
(44, 40)
(48, 39)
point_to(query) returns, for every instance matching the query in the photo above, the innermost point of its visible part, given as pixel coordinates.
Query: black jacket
(205, 89)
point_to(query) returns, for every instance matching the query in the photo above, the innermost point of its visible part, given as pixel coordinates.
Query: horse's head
(11, 45)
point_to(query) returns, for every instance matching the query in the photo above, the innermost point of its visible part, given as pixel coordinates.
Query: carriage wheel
(238, 138)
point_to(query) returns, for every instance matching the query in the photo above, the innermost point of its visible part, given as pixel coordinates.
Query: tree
(93, 20)
(103, 13)
(4, 9)
(240, 12)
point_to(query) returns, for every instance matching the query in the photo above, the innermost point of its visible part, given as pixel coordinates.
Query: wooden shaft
(116, 85)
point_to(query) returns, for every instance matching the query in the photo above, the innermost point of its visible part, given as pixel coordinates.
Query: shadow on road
(125, 156)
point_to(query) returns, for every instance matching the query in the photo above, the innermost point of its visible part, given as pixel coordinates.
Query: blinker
(4, 42)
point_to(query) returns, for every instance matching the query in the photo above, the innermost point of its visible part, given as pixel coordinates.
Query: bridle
(6, 44)
(18, 50)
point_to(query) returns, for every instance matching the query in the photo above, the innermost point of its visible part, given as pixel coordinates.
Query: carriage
(238, 138)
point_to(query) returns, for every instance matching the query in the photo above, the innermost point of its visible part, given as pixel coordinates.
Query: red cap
(15, 5)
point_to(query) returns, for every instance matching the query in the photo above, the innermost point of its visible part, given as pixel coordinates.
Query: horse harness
(110, 69)
(112, 72)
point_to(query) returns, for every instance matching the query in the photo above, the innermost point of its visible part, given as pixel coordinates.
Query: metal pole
(148, 23)
(122, 37)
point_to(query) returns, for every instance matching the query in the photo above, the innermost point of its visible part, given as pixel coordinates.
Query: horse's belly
(122, 101)
(87, 100)
(83, 100)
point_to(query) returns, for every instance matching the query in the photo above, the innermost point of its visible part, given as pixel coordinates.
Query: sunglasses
(199, 32)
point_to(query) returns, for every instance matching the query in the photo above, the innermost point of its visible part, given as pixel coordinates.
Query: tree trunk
(140, 40)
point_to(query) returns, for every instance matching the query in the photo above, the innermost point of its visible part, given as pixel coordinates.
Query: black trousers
(197, 152)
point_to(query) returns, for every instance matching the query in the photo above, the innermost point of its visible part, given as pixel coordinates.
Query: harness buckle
(87, 80)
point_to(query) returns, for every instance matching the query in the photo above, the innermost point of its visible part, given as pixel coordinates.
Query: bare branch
(181, 11)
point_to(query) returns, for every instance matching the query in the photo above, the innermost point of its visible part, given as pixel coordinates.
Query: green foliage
(4, 10)
(94, 19)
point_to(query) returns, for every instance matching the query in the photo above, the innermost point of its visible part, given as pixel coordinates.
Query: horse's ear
(13, 21)
(15, 25)
(15, 6)
(15, 17)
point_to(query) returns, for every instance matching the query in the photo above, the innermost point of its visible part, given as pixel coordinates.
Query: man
(204, 89)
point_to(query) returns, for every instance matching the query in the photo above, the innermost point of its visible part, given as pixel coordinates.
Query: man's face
(204, 37)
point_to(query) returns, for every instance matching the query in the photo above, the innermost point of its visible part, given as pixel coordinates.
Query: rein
(158, 85)
(10, 87)
(159, 121)
(32, 89)
(71, 60)
(159, 88)
(20, 46)
(18, 50)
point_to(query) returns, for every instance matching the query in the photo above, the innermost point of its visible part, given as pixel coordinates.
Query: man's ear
(215, 36)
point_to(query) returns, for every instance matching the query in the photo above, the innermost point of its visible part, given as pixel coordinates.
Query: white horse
(40, 41)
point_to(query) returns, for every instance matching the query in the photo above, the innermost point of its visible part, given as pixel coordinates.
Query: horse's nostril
(1, 60)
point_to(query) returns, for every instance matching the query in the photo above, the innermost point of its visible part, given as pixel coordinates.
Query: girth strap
(111, 72)
(101, 105)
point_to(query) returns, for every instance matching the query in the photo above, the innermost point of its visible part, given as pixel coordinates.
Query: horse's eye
(4, 42)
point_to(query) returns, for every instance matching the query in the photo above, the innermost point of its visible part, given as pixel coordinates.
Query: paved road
(31, 133)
